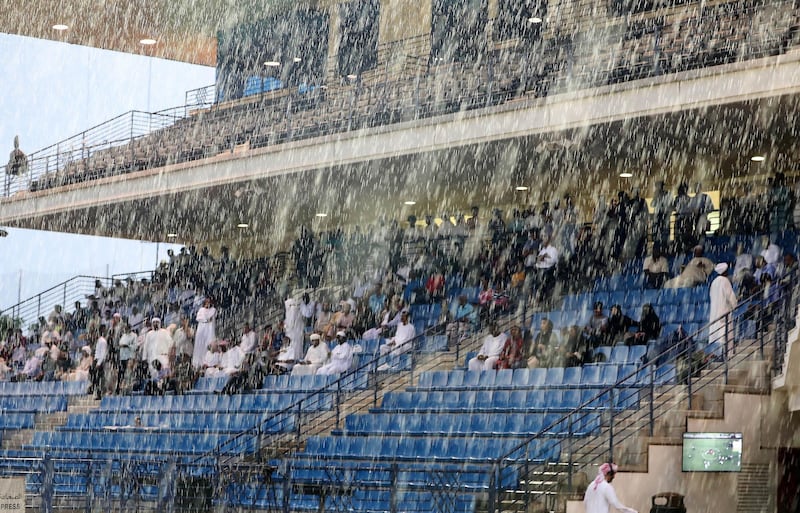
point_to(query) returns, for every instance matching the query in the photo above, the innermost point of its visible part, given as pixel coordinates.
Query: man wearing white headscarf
(205, 332)
(341, 357)
(158, 345)
(600, 496)
(723, 302)
(316, 356)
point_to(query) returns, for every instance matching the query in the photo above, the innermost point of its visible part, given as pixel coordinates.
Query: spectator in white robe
(248, 340)
(600, 496)
(158, 345)
(695, 273)
(341, 357)
(316, 356)
(490, 350)
(81, 372)
(205, 333)
(230, 359)
(723, 302)
(211, 358)
(290, 353)
(401, 342)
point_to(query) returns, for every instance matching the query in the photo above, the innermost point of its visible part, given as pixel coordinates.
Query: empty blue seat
(608, 374)
(665, 374)
(590, 375)
(572, 376)
(619, 354)
(555, 376)
(635, 353)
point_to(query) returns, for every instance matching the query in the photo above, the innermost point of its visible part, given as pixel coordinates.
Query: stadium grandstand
(438, 256)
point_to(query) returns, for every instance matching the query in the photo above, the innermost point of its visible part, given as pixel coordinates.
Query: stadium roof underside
(700, 126)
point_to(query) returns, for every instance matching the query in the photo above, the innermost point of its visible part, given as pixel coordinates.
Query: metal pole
(725, 343)
(652, 400)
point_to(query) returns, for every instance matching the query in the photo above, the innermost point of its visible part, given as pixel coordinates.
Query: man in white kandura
(205, 333)
(341, 357)
(600, 497)
(723, 302)
(490, 350)
(316, 357)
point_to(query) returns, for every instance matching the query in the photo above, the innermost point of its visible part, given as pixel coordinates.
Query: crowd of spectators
(159, 334)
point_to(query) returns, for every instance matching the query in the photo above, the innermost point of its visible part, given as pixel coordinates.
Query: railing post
(611, 433)
(494, 488)
(652, 399)
(726, 352)
(689, 372)
(569, 452)
(64, 295)
(393, 489)
(38, 306)
(338, 400)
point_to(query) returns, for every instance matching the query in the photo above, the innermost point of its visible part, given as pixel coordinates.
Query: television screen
(712, 452)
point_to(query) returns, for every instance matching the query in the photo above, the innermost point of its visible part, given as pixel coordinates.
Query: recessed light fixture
(352, 77)
(172, 235)
(297, 59)
(758, 158)
(320, 214)
(147, 42)
(521, 188)
(272, 64)
(242, 225)
(625, 175)
(534, 20)
(409, 203)
(60, 27)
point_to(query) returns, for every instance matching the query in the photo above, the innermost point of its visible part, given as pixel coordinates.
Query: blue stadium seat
(590, 375)
(555, 376)
(572, 376)
(619, 354)
(665, 375)
(605, 351)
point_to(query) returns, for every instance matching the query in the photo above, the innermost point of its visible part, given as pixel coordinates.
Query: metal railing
(624, 49)
(30, 311)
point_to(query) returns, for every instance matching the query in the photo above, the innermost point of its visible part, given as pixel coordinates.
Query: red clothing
(435, 284)
(511, 357)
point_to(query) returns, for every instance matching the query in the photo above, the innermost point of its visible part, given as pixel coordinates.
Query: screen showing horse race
(712, 452)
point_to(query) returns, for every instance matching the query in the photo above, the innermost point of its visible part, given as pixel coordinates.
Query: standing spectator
(97, 372)
(636, 218)
(780, 201)
(490, 350)
(546, 262)
(723, 302)
(128, 346)
(205, 333)
(307, 309)
(600, 496)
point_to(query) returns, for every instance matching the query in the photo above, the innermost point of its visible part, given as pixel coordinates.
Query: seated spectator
(316, 356)
(161, 382)
(5, 370)
(595, 331)
(656, 269)
(324, 317)
(32, 371)
(290, 353)
(574, 351)
(341, 320)
(377, 301)
(618, 326)
(543, 346)
(434, 286)
(695, 273)
(341, 357)
(462, 318)
(248, 341)
(211, 359)
(513, 354)
(402, 341)
(649, 326)
(490, 350)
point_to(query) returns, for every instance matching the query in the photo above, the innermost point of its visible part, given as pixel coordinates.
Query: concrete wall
(703, 493)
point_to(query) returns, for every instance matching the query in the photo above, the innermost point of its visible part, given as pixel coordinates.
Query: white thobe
(204, 334)
(602, 499)
(402, 340)
(231, 360)
(157, 346)
(341, 360)
(723, 301)
(248, 342)
(294, 351)
(491, 349)
(317, 356)
(100, 351)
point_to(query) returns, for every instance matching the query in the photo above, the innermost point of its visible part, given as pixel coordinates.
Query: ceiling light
(242, 225)
(521, 188)
(352, 77)
(147, 42)
(297, 59)
(272, 64)
(60, 27)
(172, 235)
(320, 214)
(625, 175)
(758, 158)
(534, 20)
(409, 203)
